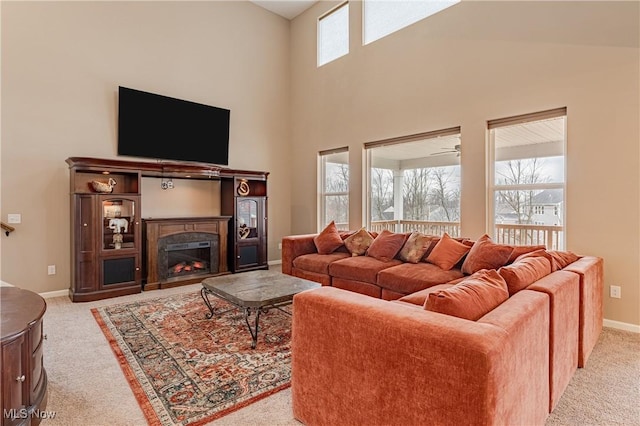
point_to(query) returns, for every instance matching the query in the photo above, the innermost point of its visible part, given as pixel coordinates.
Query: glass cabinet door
(247, 221)
(119, 223)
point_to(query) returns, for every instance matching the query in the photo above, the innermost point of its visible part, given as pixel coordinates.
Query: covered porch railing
(426, 227)
(515, 234)
(550, 236)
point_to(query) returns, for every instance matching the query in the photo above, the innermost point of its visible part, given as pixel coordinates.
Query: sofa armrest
(294, 246)
(591, 272)
(361, 360)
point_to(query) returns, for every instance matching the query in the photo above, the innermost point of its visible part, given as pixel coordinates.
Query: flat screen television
(160, 127)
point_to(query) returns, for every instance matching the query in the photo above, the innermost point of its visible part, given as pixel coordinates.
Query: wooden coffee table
(254, 292)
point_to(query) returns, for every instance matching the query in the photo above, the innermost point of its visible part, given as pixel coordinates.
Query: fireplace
(188, 258)
(187, 254)
(181, 251)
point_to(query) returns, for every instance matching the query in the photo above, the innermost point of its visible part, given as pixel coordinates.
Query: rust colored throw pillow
(328, 240)
(485, 254)
(447, 252)
(520, 250)
(386, 245)
(561, 259)
(358, 243)
(415, 247)
(521, 274)
(472, 298)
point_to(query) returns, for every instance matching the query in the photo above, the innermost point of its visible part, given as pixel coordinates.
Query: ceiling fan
(456, 150)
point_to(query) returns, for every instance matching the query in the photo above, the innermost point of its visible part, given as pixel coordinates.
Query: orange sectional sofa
(401, 361)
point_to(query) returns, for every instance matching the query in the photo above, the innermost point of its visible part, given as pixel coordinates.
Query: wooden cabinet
(245, 199)
(23, 391)
(106, 238)
(105, 233)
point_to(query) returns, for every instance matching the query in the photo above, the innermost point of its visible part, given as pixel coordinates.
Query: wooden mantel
(166, 169)
(155, 229)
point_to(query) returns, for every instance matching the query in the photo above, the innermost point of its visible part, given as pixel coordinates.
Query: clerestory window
(333, 34)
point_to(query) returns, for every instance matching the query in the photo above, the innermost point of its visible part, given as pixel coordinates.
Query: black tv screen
(160, 127)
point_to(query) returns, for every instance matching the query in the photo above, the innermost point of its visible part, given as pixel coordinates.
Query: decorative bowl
(102, 186)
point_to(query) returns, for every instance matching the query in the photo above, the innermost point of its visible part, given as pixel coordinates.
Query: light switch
(14, 218)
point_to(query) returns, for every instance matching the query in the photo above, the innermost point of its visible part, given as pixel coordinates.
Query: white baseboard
(621, 325)
(57, 293)
(274, 262)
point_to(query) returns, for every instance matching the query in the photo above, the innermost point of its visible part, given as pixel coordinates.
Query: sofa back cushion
(520, 250)
(359, 242)
(386, 245)
(472, 298)
(561, 259)
(485, 254)
(415, 247)
(328, 240)
(521, 274)
(447, 252)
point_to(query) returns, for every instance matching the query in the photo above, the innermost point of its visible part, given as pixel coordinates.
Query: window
(527, 182)
(381, 18)
(334, 188)
(333, 34)
(413, 183)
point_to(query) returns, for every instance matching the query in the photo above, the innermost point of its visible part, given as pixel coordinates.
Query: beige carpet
(87, 387)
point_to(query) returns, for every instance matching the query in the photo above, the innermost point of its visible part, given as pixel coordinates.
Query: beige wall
(62, 63)
(476, 62)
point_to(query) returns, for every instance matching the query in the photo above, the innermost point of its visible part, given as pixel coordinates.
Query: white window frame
(319, 36)
(322, 191)
(403, 19)
(492, 187)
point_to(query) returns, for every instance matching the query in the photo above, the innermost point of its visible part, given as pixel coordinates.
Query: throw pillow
(520, 250)
(386, 245)
(358, 243)
(328, 240)
(447, 252)
(472, 298)
(415, 247)
(561, 259)
(485, 254)
(521, 274)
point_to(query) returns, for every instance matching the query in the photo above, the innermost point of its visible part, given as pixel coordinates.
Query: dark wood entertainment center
(114, 251)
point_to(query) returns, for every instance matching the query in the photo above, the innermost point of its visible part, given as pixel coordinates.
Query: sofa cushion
(419, 297)
(409, 277)
(561, 259)
(558, 259)
(485, 254)
(520, 250)
(328, 240)
(472, 298)
(521, 274)
(386, 245)
(359, 242)
(360, 268)
(447, 252)
(319, 263)
(415, 247)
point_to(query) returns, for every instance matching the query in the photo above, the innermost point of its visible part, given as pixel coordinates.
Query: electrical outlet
(279, 246)
(14, 218)
(615, 291)
(170, 184)
(51, 269)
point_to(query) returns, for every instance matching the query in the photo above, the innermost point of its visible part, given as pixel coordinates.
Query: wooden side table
(23, 391)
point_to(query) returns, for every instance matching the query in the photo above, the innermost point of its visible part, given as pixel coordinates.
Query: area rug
(185, 369)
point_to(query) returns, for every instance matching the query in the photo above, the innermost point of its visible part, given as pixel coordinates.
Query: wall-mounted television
(165, 128)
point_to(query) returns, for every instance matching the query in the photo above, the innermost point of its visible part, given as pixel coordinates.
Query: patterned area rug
(185, 369)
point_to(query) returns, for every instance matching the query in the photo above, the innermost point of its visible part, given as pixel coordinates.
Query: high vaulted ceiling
(288, 9)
